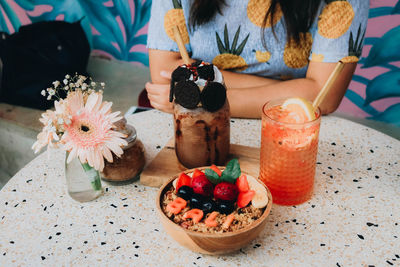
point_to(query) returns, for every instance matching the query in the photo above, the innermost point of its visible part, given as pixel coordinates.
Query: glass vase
(83, 181)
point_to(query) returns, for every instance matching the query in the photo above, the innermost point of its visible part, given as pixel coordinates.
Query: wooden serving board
(165, 164)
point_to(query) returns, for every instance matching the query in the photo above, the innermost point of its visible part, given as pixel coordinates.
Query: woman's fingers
(157, 89)
(158, 95)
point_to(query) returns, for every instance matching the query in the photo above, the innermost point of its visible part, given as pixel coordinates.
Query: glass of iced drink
(201, 115)
(289, 145)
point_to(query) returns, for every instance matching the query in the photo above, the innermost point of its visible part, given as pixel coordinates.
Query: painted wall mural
(374, 92)
(118, 29)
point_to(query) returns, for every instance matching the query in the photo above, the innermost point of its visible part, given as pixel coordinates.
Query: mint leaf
(227, 178)
(212, 176)
(232, 171)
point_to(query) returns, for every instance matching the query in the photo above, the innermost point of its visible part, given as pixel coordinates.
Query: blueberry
(185, 192)
(225, 207)
(196, 201)
(209, 206)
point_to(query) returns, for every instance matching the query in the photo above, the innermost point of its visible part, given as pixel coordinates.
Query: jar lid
(132, 136)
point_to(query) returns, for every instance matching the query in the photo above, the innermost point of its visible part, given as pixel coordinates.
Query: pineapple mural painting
(336, 12)
(296, 55)
(175, 17)
(256, 10)
(355, 47)
(229, 57)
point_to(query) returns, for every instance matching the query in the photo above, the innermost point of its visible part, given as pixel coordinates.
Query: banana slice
(260, 199)
(174, 183)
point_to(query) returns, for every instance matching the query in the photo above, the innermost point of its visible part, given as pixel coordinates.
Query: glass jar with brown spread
(128, 167)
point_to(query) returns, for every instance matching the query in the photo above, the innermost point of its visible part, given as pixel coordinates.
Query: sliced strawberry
(197, 173)
(242, 183)
(215, 168)
(183, 179)
(244, 198)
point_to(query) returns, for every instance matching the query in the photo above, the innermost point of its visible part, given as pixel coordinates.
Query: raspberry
(202, 186)
(226, 191)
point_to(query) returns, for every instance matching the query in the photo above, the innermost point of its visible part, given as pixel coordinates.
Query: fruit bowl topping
(218, 194)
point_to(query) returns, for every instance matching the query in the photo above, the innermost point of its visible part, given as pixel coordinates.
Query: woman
(266, 49)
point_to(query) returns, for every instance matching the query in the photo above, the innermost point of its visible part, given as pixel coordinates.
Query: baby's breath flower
(66, 87)
(48, 89)
(43, 92)
(67, 76)
(49, 97)
(101, 91)
(84, 86)
(102, 84)
(65, 81)
(93, 84)
(56, 83)
(71, 85)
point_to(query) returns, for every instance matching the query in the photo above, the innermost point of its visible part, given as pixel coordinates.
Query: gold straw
(181, 45)
(327, 86)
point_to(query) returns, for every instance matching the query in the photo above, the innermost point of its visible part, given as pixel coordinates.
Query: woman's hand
(158, 93)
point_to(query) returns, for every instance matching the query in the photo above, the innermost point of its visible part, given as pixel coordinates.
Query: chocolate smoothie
(201, 116)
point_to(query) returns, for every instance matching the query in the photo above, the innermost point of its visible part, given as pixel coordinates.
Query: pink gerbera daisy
(89, 134)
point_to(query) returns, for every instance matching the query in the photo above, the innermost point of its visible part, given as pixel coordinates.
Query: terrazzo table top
(352, 220)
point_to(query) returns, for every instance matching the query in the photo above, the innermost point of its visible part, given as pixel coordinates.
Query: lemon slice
(300, 110)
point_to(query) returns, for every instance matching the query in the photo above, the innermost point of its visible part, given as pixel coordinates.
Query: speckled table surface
(352, 220)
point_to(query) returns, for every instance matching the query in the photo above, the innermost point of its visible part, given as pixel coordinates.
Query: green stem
(93, 175)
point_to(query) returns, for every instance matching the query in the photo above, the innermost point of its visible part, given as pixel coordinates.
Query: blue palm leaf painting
(383, 86)
(385, 50)
(383, 53)
(390, 115)
(117, 24)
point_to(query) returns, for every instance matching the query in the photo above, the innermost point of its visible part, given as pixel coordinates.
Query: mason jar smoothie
(201, 115)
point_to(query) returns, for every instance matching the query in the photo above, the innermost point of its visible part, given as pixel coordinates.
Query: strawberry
(183, 179)
(242, 183)
(226, 191)
(202, 186)
(215, 168)
(244, 198)
(197, 173)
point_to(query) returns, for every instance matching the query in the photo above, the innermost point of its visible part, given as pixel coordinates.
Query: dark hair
(298, 15)
(202, 11)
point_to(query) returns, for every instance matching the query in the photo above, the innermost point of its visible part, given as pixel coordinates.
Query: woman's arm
(160, 60)
(162, 63)
(247, 102)
(247, 93)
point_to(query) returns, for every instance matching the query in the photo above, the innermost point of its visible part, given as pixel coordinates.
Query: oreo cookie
(213, 96)
(196, 63)
(179, 74)
(206, 72)
(187, 94)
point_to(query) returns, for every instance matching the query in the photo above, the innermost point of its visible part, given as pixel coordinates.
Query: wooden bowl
(208, 243)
